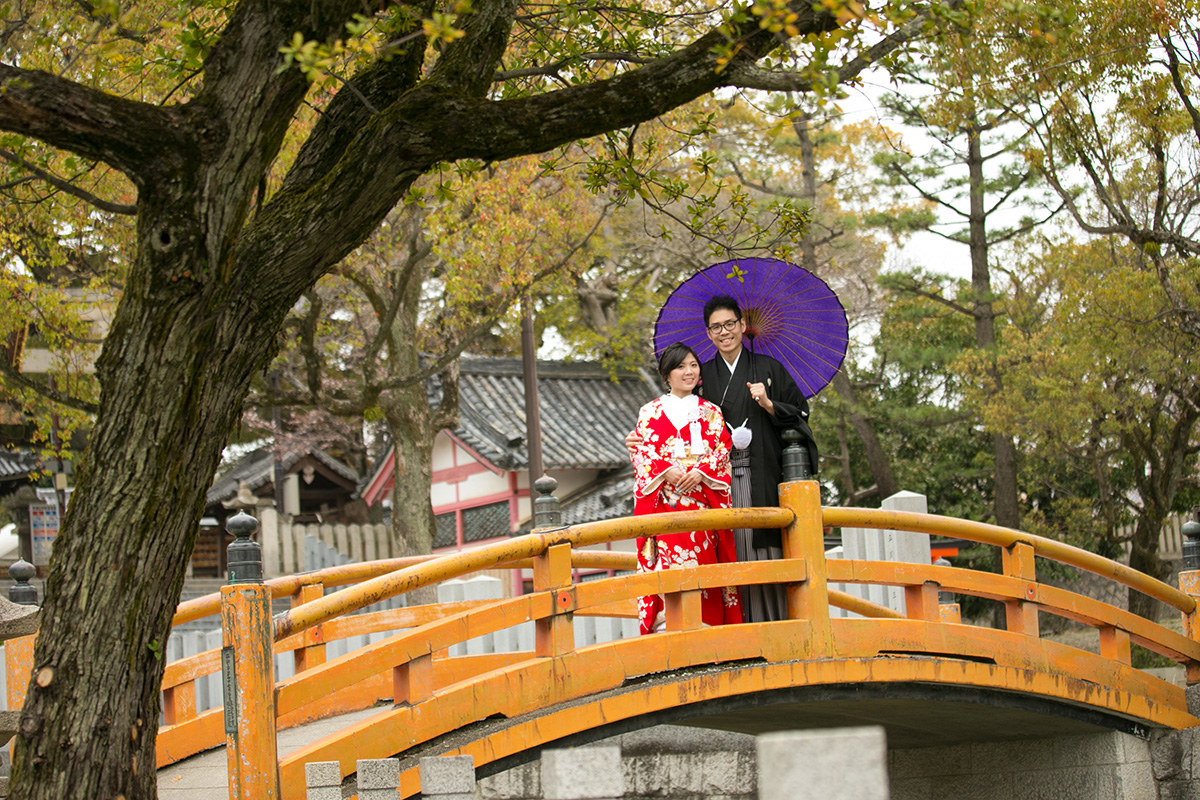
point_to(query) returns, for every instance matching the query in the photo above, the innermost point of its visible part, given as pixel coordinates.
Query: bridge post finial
(1189, 583)
(1191, 545)
(22, 592)
(795, 458)
(546, 513)
(244, 555)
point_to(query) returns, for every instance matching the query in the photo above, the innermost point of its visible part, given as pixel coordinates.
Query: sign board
(43, 525)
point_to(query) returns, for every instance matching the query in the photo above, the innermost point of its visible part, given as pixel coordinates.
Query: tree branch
(14, 375)
(130, 136)
(747, 75)
(68, 187)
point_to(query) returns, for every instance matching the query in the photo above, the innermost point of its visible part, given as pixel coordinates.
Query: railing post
(18, 651)
(1189, 583)
(555, 635)
(248, 670)
(311, 652)
(948, 610)
(1021, 616)
(805, 539)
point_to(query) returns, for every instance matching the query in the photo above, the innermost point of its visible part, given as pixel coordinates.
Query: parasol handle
(753, 362)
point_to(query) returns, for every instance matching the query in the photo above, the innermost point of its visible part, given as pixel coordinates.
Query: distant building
(480, 488)
(317, 488)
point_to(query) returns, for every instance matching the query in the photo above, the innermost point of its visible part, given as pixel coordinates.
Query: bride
(682, 464)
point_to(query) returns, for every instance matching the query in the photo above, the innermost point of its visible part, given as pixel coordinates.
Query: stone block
(952, 760)
(644, 776)
(1136, 782)
(832, 764)
(1080, 783)
(726, 774)
(324, 793)
(1134, 749)
(1033, 754)
(1166, 755)
(517, 783)
(685, 772)
(1088, 749)
(927, 762)
(911, 789)
(583, 773)
(447, 775)
(323, 780)
(378, 773)
(1192, 693)
(993, 786)
(323, 773)
(1179, 790)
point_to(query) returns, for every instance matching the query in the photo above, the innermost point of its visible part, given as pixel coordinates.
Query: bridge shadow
(915, 715)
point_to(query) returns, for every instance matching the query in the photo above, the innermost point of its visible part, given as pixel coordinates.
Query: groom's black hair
(719, 302)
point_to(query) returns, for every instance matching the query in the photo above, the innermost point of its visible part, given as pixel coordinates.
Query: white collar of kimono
(732, 366)
(681, 410)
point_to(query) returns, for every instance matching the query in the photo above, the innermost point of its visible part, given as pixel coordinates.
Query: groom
(755, 393)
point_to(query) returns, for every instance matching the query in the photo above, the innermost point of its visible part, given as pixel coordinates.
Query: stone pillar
(546, 513)
(378, 778)
(874, 545)
(323, 780)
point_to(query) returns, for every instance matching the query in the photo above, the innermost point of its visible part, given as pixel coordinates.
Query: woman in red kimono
(682, 464)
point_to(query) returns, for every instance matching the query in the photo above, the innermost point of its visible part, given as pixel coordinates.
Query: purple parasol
(791, 315)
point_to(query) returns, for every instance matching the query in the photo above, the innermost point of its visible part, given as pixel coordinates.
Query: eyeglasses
(730, 326)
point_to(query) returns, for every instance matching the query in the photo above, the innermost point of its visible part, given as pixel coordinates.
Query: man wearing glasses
(756, 395)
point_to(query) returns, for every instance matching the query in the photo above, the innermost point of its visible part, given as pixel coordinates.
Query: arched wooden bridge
(810, 670)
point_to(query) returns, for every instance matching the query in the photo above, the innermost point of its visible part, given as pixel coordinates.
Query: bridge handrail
(346, 574)
(492, 556)
(985, 533)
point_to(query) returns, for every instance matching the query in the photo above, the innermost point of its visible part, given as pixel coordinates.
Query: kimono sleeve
(787, 398)
(714, 467)
(649, 466)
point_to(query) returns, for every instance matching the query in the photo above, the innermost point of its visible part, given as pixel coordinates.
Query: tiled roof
(611, 496)
(15, 464)
(255, 468)
(585, 412)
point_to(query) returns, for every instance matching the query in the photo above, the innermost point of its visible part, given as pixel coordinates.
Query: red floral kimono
(683, 432)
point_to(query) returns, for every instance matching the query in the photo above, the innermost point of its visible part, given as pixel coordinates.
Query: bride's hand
(689, 481)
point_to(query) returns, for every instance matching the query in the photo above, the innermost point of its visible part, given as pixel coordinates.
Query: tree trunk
(89, 723)
(1006, 505)
(412, 444)
(1143, 556)
(877, 458)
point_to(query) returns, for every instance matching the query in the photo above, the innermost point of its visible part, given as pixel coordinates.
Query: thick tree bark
(89, 721)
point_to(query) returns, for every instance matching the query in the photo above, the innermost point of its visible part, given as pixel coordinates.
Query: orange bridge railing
(430, 694)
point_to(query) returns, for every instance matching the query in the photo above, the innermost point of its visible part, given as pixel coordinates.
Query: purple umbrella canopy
(791, 315)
